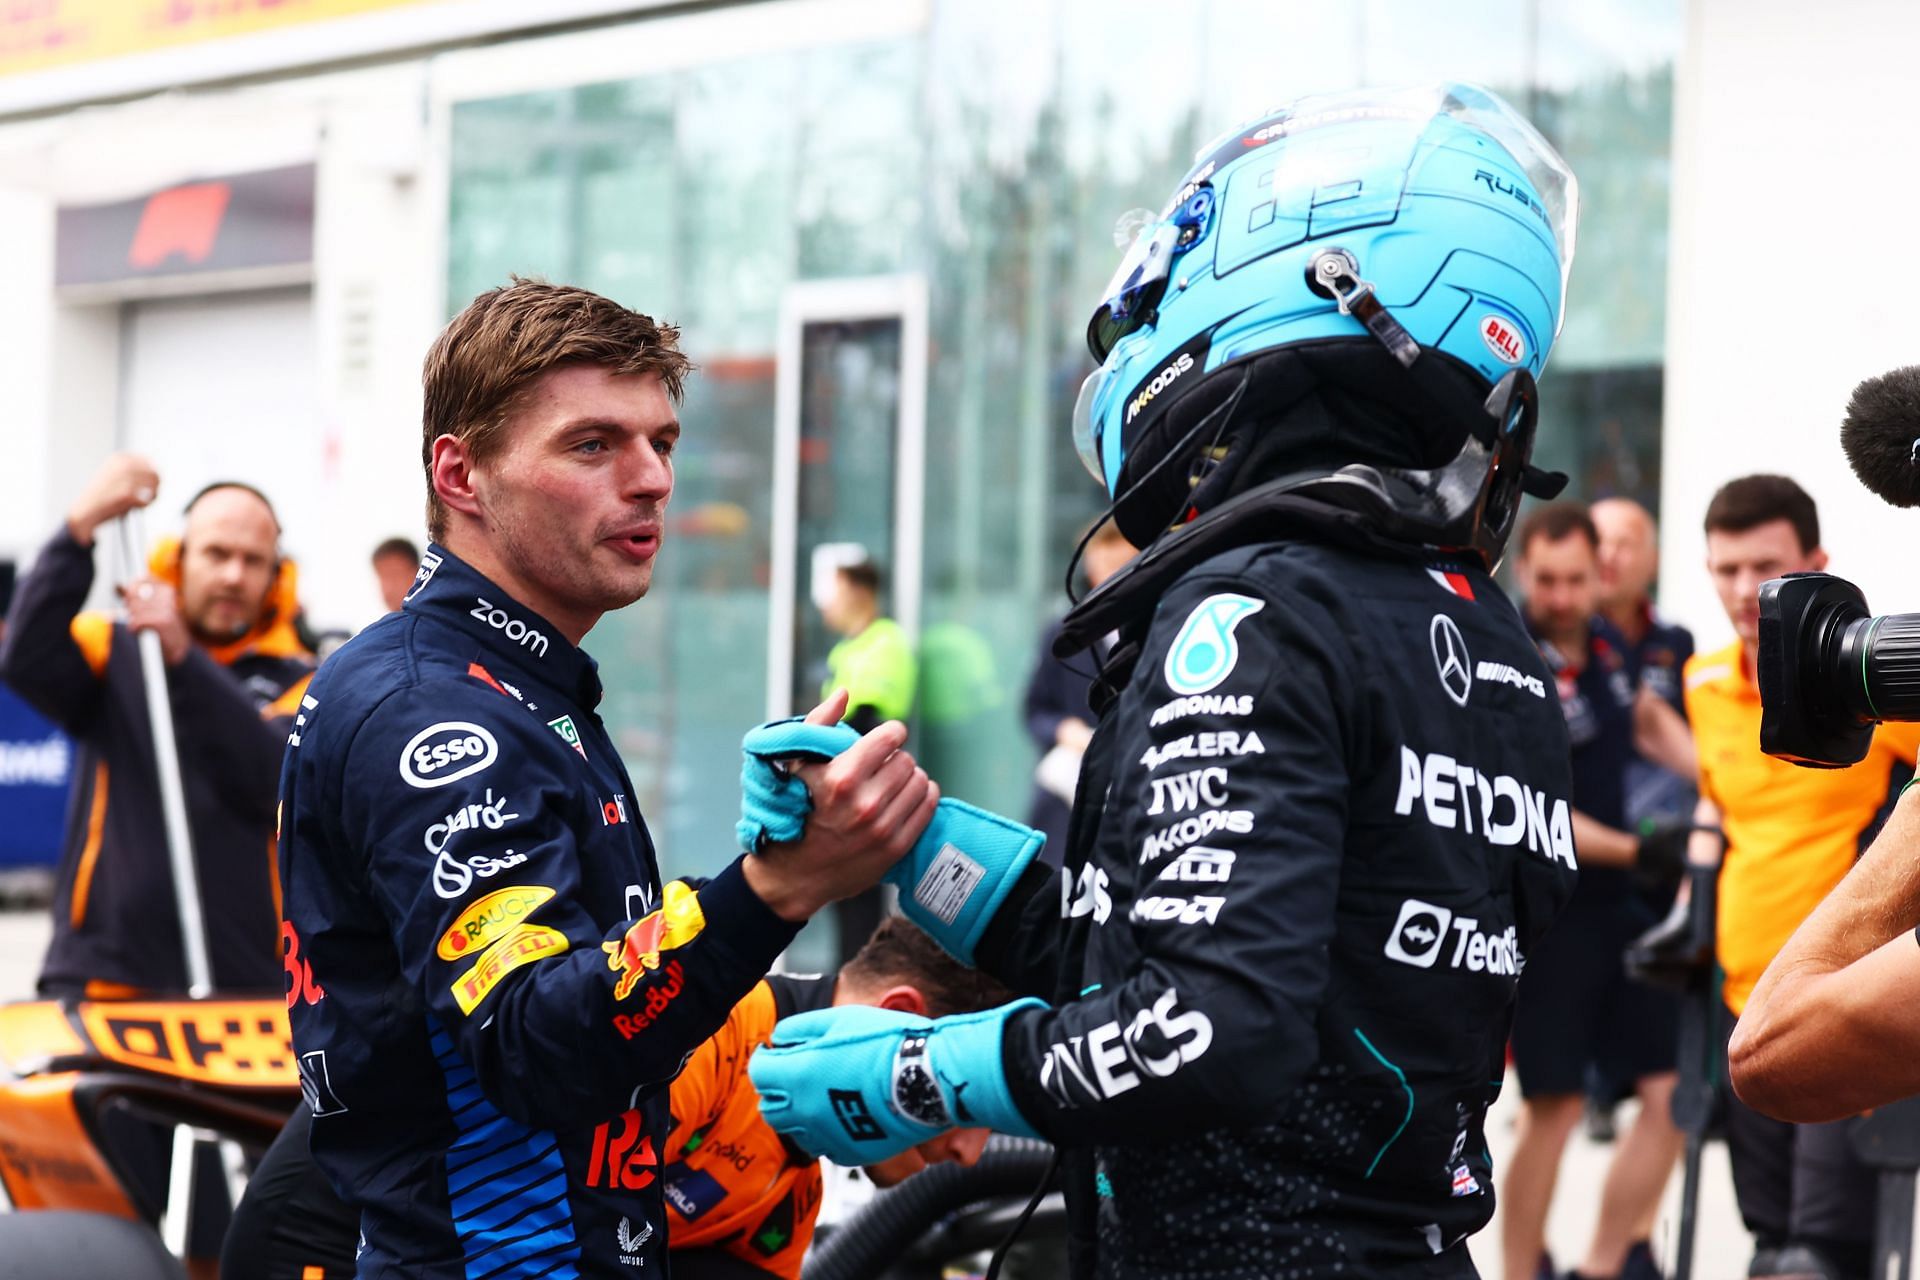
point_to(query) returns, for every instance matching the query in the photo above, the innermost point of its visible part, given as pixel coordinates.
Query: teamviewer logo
(1417, 935)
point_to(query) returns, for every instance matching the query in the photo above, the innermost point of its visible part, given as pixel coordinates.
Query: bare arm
(1661, 736)
(1598, 845)
(1833, 1028)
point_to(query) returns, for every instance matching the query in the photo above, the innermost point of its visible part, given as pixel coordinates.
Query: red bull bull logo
(676, 923)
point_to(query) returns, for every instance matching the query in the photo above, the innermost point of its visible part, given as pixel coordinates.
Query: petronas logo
(1205, 652)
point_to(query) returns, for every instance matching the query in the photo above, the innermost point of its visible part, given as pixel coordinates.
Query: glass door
(849, 439)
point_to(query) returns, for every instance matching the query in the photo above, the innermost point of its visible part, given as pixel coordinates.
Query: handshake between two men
(822, 809)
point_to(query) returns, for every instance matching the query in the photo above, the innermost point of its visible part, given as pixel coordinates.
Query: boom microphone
(1881, 435)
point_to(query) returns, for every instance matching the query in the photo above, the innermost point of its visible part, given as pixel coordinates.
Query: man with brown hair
(489, 987)
(1791, 836)
(741, 1200)
(874, 659)
(394, 562)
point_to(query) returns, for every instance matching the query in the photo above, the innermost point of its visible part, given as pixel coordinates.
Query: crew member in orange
(1792, 834)
(221, 598)
(741, 1200)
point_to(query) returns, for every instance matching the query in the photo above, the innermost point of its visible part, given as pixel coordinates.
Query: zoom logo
(515, 630)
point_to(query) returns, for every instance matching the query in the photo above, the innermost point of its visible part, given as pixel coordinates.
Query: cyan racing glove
(773, 801)
(959, 872)
(857, 1084)
(951, 882)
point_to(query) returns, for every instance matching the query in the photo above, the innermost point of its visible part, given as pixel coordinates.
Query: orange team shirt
(731, 1182)
(1792, 833)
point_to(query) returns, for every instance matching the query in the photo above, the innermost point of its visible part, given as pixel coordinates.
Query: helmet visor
(1136, 288)
(1140, 281)
(1556, 191)
(1323, 138)
(1086, 433)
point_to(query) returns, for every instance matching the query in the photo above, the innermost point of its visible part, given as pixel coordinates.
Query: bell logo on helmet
(1503, 338)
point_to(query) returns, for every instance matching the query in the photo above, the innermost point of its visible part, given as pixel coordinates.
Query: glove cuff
(959, 872)
(967, 1056)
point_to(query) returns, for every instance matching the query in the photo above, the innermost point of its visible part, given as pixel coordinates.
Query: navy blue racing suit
(489, 987)
(1316, 835)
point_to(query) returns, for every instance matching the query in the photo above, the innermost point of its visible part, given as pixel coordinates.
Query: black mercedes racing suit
(1315, 836)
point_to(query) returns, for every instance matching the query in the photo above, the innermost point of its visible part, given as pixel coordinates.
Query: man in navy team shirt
(1657, 649)
(1578, 1012)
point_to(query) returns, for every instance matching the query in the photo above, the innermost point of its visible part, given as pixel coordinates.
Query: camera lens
(1829, 672)
(1876, 667)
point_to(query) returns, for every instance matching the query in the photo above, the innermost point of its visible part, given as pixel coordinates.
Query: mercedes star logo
(1450, 657)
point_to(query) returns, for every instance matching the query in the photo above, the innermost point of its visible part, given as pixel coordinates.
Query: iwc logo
(1450, 658)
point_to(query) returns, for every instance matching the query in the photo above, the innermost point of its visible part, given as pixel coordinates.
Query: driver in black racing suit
(1326, 812)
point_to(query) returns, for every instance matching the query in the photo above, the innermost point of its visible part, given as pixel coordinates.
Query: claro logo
(446, 752)
(1161, 381)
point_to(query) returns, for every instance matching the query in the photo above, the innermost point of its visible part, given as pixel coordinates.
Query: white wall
(379, 137)
(1794, 272)
(375, 291)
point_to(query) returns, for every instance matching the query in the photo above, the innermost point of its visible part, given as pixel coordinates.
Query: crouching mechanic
(741, 1200)
(488, 986)
(1326, 811)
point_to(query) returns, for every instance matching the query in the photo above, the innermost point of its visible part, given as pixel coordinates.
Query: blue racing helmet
(1434, 225)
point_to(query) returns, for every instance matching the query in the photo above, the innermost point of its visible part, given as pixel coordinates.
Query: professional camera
(1829, 671)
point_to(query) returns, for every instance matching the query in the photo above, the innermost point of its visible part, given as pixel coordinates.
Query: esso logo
(1503, 338)
(447, 752)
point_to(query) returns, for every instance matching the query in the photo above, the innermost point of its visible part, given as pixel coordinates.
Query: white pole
(173, 797)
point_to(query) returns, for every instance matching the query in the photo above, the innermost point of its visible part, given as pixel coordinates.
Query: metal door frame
(901, 297)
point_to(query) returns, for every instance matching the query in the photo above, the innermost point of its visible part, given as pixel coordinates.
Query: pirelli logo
(523, 946)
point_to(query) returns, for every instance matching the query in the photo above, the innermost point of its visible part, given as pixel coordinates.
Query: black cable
(888, 1227)
(1026, 1216)
(1224, 412)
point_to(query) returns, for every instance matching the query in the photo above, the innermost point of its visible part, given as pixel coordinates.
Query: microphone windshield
(1881, 435)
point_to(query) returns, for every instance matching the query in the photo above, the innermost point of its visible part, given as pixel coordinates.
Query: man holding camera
(1791, 835)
